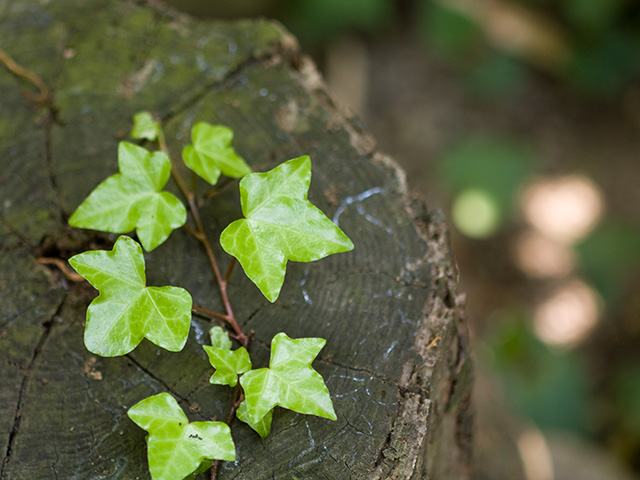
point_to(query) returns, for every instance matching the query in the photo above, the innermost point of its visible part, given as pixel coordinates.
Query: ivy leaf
(280, 224)
(212, 154)
(204, 466)
(134, 198)
(228, 364)
(262, 426)
(145, 127)
(175, 447)
(126, 311)
(289, 382)
(220, 338)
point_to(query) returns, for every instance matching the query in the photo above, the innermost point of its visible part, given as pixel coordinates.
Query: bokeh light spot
(564, 209)
(541, 257)
(568, 315)
(475, 213)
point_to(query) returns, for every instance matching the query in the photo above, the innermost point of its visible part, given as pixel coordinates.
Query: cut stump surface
(397, 358)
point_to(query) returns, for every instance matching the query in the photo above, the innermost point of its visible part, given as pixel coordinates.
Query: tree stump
(397, 356)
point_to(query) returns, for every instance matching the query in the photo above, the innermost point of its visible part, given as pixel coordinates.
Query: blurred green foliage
(448, 32)
(602, 36)
(316, 22)
(494, 166)
(626, 395)
(589, 16)
(499, 74)
(551, 387)
(609, 255)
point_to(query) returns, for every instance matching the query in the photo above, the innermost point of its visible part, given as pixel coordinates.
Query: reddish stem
(238, 398)
(229, 317)
(201, 235)
(209, 313)
(232, 264)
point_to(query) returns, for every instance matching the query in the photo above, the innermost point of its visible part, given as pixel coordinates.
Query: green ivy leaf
(134, 198)
(228, 364)
(126, 311)
(220, 338)
(262, 426)
(280, 224)
(175, 447)
(212, 154)
(145, 127)
(204, 466)
(289, 382)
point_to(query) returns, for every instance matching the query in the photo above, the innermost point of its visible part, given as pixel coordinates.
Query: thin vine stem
(238, 398)
(205, 312)
(63, 266)
(13, 67)
(201, 235)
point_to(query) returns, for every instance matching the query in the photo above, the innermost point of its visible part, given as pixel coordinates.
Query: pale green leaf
(175, 447)
(262, 426)
(126, 311)
(280, 224)
(220, 338)
(211, 153)
(228, 364)
(289, 382)
(145, 127)
(134, 198)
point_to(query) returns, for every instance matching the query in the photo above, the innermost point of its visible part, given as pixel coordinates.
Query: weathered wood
(397, 359)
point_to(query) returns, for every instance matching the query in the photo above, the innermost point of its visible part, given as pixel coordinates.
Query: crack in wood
(51, 121)
(149, 374)
(9, 319)
(216, 84)
(373, 375)
(281, 52)
(48, 327)
(16, 233)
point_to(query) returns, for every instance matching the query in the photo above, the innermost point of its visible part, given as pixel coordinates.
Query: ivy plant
(176, 448)
(126, 311)
(279, 224)
(134, 198)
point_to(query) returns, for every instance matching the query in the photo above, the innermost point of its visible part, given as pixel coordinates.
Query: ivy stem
(201, 235)
(32, 77)
(232, 264)
(209, 313)
(238, 398)
(63, 267)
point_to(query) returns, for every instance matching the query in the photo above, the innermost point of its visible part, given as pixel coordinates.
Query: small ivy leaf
(133, 199)
(145, 127)
(175, 447)
(262, 426)
(228, 364)
(280, 224)
(220, 338)
(204, 466)
(289, 382)
(212, 154)
(126, 311)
